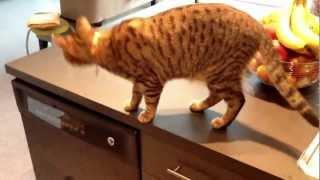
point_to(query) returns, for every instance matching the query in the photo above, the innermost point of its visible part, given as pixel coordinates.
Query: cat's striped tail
(277, 75)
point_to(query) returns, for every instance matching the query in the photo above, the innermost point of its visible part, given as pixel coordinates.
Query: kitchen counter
(265, 135)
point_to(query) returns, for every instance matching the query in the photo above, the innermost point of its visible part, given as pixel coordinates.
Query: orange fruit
(262, 73)
(253, 64)
(292, 80)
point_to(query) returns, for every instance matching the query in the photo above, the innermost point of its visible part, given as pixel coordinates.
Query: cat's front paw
(129, 107)
(145, 117)
(196, 107)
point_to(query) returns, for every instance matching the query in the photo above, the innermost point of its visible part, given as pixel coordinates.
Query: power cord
(27, 42)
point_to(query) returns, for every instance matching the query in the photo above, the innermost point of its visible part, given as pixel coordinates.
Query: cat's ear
(84, 29)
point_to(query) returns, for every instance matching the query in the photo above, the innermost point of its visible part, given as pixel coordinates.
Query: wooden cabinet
(73, 142)
(68, 142)
(165, 161)
(147, 176)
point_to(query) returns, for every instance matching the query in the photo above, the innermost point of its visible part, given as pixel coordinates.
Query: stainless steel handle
(176, 174)
(111, 141)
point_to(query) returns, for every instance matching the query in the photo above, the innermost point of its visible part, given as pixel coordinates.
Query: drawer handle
(111, 141)
(176, 174)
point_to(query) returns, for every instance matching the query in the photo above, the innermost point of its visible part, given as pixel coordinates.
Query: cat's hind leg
(211, 100)
(235, 101)
(137, 92)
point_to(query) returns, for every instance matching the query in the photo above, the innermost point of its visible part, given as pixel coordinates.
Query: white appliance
(309, 159)
(98, 10)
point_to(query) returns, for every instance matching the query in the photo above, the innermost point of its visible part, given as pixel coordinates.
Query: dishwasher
(69, 142)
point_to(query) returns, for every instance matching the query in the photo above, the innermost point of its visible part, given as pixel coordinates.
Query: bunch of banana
(313, 21)
(285, 34)
(293, 28)
(300, 26)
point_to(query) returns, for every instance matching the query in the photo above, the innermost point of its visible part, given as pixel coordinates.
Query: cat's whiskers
(96, 38)
(97, 70)
(95, 41)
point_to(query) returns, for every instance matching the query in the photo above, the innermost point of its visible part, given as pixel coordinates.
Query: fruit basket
(303, 71)
(295, 35)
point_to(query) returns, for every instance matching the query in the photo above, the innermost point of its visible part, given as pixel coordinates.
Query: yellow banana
(284, 33)
(313, 21)
(301, 28)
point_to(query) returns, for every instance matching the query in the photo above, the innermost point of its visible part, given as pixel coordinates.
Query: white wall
(256, 8)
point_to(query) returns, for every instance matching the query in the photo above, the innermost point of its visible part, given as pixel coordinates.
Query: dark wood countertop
(266, 135)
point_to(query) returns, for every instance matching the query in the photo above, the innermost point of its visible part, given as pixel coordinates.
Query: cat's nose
(58, 40)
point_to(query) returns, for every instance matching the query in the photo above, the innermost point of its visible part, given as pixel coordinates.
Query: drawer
(56, 155)
(146, 176)
(67, 140)
(164, 161)
(70, 118)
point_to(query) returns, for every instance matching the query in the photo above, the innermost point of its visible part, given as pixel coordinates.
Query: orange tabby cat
(207, 42)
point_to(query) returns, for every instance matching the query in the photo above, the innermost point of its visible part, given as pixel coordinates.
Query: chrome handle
(111, 141)
(176, 174)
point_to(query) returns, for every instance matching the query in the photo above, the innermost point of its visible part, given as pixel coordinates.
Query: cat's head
(79, 47)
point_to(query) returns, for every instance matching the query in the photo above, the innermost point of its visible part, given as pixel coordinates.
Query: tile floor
(15, 162)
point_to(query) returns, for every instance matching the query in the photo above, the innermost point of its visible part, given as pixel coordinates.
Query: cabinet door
(68, 142)
(147, 176)
(57, 156)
